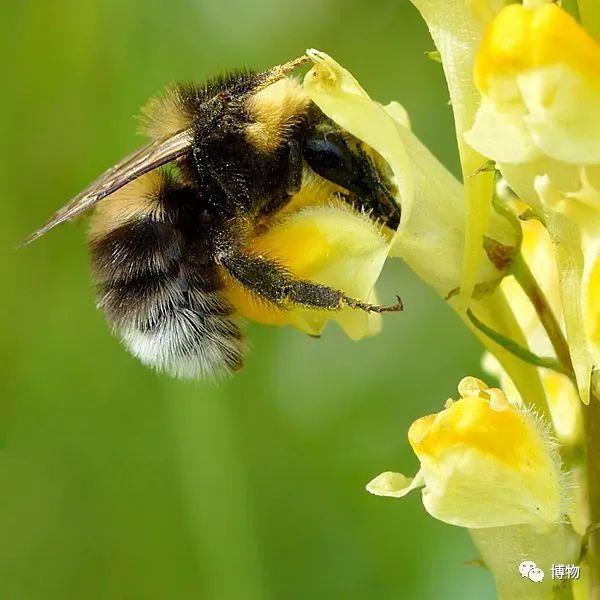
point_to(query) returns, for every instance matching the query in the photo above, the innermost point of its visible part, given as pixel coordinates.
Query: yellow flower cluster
(538, 73)
(514, 249)
(518, 245)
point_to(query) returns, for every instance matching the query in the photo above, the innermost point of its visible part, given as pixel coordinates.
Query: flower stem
(530, 286)
(591, 414)
(523, 353)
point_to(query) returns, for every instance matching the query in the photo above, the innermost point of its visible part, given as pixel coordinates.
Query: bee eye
(329, 156)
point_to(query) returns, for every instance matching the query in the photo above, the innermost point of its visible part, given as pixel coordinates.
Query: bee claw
(375, 307)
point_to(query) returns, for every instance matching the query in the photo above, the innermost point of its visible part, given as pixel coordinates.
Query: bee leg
(273, 283)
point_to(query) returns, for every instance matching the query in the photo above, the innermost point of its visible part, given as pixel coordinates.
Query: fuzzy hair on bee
(173, 223)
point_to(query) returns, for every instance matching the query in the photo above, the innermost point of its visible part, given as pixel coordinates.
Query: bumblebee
(173, 222)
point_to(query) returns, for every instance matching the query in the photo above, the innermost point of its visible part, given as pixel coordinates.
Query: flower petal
(431, 238)
(457, 28)
(331, 245)
(487, 464)
(539, 74)
(570, 259)
(394, 485)
(503, 137)
(503, 548)
(484, 463)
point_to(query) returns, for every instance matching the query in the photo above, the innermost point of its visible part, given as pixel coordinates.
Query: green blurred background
(120, 483)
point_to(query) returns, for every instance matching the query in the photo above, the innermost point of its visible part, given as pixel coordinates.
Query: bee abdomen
(172, 325)
(183, 339)
(163, 300)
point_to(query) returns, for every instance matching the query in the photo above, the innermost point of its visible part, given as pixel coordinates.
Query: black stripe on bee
(142, 247)
(161, 291)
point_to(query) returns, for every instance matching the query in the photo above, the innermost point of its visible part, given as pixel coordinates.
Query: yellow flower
(456, 27)
(539, 75)
(329, 244)
(538, 72)
(524, 84)
(431, 235)
(320, 239)
(484, 463)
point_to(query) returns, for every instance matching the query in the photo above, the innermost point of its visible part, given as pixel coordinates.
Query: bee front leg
(275, 284)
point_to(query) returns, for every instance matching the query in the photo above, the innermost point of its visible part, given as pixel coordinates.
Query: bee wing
(142, 161)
